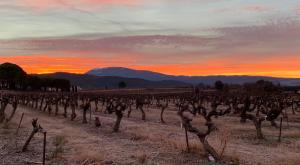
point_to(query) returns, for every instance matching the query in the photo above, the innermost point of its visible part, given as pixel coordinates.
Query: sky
(179, 37)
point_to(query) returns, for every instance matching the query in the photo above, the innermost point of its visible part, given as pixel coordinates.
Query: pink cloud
(50, 4)
(110, 2)
(297, 8)
(248, 8)
(257, 8)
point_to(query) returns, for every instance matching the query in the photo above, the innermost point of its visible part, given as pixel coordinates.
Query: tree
(262, 86)
(11, 76)
(47, 83)
(219, 85)
(62, 84)
(122, 84)
(267, 86)
(55, 83)
(33, 83)
(14, 77)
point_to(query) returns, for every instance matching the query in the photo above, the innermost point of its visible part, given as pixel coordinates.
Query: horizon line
(45, 70)
(210, 75)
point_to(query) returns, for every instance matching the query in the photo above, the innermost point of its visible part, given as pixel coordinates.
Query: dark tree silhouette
(33, 83)
(122, 84)
(262, 87)
(11, 76)
(14, 77)
(219, 85)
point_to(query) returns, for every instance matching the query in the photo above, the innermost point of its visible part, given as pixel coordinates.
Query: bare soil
(145, 142)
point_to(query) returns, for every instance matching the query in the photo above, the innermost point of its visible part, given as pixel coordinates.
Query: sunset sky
(180, 37)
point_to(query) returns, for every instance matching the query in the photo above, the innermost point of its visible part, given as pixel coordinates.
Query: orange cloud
(277, 66)
(48, 64)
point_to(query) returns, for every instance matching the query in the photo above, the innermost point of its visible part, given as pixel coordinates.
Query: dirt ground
(145, 142)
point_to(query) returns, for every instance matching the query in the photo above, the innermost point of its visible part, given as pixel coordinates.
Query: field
(148, 141)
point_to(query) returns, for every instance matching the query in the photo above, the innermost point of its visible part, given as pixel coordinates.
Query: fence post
(19, 126)
(44, 148)
(279, 138)
(187, 140)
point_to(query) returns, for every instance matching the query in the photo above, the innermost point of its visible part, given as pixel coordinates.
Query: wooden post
(17, 132)
(187, 140)
(19, 126)
(36, 128)
(44, 148)
(90, 114)
(279, 138)
(287, 118)
(293, 108)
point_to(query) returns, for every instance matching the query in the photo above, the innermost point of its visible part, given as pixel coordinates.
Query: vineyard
(166, 126)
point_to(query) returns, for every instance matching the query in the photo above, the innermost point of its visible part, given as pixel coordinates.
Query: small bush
(86, 156)
(59, 143)
(142, 158)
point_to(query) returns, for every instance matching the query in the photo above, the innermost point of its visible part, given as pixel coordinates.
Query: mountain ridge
(207, 80)
(86, 81)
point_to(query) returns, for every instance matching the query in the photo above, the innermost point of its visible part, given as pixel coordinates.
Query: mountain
(207, 80)
(86, 81)
(129, 73)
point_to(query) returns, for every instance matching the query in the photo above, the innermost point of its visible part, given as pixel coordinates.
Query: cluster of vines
(207, 105)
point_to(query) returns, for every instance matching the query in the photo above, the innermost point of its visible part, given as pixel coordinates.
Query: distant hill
(129, 73)
(207, 80)
(111, 82)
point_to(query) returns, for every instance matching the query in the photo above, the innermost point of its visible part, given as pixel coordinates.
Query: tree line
(13, 77)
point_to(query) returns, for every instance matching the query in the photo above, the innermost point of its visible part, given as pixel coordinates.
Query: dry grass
(292, 134)
(149, 142)
(233, 158)
(86, 157)
(180, 144)
(290, 160)
(59, 143)
(164, 137)
(138, 137)
(222, 139)
(5, 130)
(142, 157)
(231, 136)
